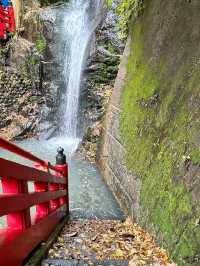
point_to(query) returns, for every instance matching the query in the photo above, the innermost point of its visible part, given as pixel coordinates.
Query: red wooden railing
(24, 232)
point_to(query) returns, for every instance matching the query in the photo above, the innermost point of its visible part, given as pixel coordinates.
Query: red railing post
(62, 167)
(20, 220)
(42, 209)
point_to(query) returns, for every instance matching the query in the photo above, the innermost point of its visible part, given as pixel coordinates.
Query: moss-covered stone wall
(157, 178)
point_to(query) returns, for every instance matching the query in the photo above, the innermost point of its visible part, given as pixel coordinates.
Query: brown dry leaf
(95, 237)
(110, 240)
(73, 234)
(127, 235)
(66, 251)
(118, 253)
(133, 262)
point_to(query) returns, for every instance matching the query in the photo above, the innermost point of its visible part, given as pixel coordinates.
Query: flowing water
(89, 196)
(80, 20)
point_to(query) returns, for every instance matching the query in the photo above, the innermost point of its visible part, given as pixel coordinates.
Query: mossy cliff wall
(151, 147)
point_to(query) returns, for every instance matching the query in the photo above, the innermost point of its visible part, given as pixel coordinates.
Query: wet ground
(52, 262)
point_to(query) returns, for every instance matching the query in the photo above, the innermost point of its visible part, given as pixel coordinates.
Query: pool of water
(89, 196)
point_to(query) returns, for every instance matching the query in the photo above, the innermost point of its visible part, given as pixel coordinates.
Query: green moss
(126, 9)
(159, 126)
(40, 43)
(33, 60)
(109, 3)
(37, 34)
(33, 99)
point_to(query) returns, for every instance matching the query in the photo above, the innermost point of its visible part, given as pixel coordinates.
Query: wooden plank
(10, 169)
(19, 202)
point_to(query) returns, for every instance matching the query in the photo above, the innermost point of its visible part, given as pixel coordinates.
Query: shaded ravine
(89, 196)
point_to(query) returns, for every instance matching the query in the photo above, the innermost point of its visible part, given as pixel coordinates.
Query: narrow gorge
(116, 84)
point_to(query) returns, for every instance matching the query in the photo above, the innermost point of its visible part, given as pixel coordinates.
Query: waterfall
(81, 17)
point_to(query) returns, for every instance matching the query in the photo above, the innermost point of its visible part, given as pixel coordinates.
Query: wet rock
(25, 95)
(48, 134)
(99, 76)
(103, 63)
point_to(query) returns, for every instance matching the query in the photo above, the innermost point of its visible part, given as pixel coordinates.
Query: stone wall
(150, 153)
(112, 159)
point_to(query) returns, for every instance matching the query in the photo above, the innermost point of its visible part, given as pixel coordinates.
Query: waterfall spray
(81, 19)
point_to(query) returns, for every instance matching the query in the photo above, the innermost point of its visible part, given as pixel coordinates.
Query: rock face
(19, 93)
(99, 76)
(19, 111)
(25, 94)
(150, 153)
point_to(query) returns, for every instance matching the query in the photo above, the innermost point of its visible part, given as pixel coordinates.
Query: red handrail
(50, 197)
(7, 145)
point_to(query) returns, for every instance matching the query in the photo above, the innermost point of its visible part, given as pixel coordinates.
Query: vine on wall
(127, 9)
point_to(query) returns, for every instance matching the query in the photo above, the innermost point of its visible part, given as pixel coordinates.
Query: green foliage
(127, 9)
(159, 125)
(40, 43)
(37, 34)
(109, 3)
(4, 50)
(33, 60)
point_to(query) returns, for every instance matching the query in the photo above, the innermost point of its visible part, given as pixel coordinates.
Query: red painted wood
(21, 218)
(11, 16)
(54, 203)
(13, 203)
(50, 198)
(27, 155)
(3, 33)
(42, 209)
(65, 170)
(22, 172)
(14, 252)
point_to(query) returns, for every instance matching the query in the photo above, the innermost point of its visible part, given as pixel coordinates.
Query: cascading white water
(81, 19)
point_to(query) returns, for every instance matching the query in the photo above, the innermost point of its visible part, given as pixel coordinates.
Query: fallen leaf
(73, 234)
(95, 237)
(127, 235)
(118, 253)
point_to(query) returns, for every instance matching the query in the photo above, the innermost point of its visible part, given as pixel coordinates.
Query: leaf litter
(108, 239)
